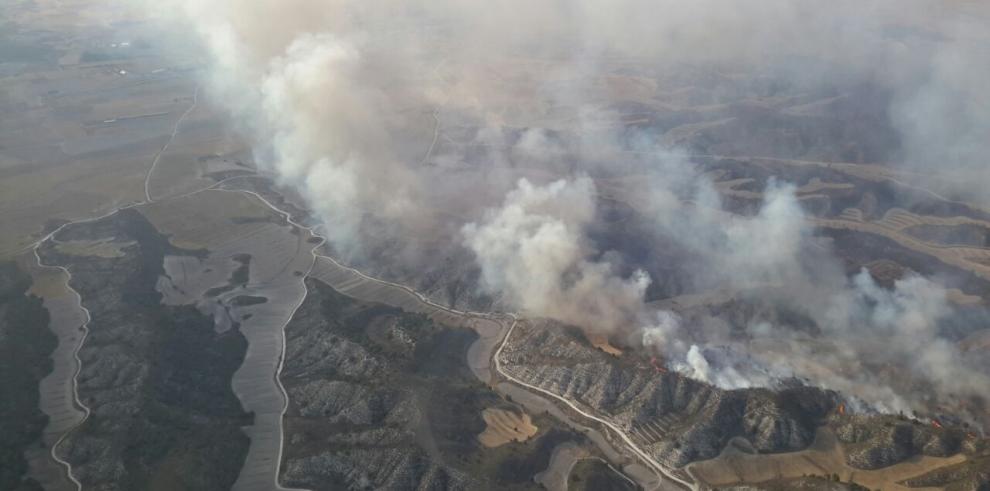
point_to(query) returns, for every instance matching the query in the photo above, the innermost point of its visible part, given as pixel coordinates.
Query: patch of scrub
(25, 347)
(596, 475)
(156, 378)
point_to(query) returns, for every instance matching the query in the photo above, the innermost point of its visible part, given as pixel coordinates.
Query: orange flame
(842, 409)
(936, 424)
(656, 366)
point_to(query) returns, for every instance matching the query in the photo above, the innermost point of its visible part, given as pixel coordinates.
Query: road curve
(632, 445)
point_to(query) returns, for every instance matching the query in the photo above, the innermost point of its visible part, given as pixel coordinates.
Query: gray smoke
(943, 112)
(882, 346)
(533, 250)
(448, 125)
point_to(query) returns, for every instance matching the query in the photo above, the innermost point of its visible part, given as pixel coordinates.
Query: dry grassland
(825, 457)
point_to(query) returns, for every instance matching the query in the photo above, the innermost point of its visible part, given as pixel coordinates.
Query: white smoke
(944, 113)
(533, 251)
(901, 326)
(419, 118)
(325, 118)
(874, 344)
(869, 330)
(697, 366)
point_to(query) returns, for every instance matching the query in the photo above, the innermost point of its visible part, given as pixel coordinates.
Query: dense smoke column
(347, 102)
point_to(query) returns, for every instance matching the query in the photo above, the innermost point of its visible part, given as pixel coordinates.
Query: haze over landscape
(326, 244)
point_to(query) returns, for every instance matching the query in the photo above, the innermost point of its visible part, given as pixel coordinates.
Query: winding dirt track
(158, 156)
(67, 413)
(60, 401)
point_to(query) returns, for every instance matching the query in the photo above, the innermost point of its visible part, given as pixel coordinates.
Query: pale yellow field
(505, 426)
(203, 220)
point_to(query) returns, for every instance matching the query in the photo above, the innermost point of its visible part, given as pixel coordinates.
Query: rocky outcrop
(679, 420)
(385, 399)
(959, 477)
(355, 420)
(874, 442)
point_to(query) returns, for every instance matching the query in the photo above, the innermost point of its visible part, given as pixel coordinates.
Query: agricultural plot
(249, 277)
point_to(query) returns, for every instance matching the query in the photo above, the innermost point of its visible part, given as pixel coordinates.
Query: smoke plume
(426, 133)
(533, 249)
